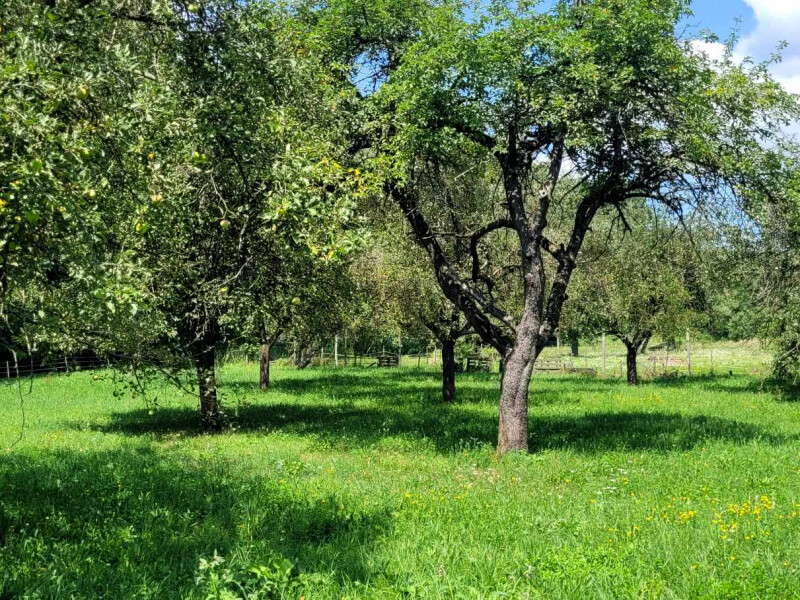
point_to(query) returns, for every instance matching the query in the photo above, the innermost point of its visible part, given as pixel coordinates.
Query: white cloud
(788, 73)
(714, 50)
(777, 21)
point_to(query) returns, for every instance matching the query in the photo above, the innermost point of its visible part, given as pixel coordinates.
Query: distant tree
(778, 291)
(395, 271)
(636, 284)
(321, 310)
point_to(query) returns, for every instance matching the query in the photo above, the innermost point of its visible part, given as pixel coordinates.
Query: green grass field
(358, 483)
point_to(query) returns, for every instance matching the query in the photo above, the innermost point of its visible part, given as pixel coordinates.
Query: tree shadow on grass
(449, 429)
(84, 524)
(400, 387)
(636, 431)
(782, 390)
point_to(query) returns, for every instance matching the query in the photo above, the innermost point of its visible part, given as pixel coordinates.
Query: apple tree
(606, 89)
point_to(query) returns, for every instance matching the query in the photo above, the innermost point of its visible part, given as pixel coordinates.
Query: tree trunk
(207, 384)
(633, 373)
(263, 378)
(448, 371)
(574, 346)
(513, 429)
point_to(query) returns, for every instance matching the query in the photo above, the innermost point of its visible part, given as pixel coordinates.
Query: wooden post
(336, 350)
(604, 354)
(66, 364)
(688, 353)
(558, 341)
(8, 370)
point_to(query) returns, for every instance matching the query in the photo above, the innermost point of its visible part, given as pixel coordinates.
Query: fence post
(336, 350)
(688, 354)
(8, 371)
(66, 364)
(604, 354)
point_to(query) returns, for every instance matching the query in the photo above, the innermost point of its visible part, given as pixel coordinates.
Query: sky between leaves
(764, 24)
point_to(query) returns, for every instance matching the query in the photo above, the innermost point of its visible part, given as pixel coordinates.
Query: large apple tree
(605, 90)
(231, 157)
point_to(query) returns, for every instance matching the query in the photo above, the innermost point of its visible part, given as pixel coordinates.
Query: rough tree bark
(204, 352)
(266, 345)
(448, 370)
(634, 346)
(263, 371)
(633, 373)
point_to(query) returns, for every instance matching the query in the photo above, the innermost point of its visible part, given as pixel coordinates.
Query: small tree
(636, 284)
(396, 274)
(777, 282)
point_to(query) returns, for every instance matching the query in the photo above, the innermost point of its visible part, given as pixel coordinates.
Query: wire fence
(697, 358)
(11, 369)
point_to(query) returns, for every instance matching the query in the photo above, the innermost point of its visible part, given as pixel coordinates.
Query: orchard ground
(359, 483)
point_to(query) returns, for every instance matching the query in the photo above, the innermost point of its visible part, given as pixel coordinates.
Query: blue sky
(720, 15)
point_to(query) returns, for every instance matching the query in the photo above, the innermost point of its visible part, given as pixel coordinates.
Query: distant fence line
(341, 360)
(657, 362)
(11, 369)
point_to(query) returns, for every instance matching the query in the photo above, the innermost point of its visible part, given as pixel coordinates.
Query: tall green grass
(359, 483)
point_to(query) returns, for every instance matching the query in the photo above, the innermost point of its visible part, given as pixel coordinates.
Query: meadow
(359, 483)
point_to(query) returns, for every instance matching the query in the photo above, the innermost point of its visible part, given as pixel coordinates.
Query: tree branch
(475, 307)
(477, 236)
